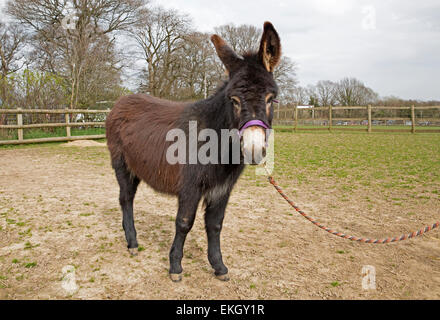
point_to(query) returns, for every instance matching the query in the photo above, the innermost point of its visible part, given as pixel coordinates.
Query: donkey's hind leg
(128, 184)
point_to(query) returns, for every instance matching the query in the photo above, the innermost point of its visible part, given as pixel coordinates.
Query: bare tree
(65, 32)
(352, 92)
(312, 95)
(298, 95)
(101, 76)
(326, 94)
(201, 70)
(242, 38)
(12, 41)
(160, 35)
(285, 76)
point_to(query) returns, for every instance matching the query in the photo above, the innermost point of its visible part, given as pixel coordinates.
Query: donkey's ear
(270, 48)
(229, 58)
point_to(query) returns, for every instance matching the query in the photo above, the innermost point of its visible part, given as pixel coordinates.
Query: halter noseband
(251, 123)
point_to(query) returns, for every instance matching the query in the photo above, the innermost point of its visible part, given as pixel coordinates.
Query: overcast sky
(393, 46)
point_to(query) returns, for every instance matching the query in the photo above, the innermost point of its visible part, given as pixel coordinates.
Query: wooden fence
(278, 119)
(369, 120)
(67, 124)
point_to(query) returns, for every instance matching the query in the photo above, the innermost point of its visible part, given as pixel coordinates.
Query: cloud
(328, 38)
(2, 6)
(332, 7)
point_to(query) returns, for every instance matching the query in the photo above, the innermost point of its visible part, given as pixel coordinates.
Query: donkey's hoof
(133, 251)
(223, 277)
(176, 277)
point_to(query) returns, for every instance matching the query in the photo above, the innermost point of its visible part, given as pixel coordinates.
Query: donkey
(137, 140)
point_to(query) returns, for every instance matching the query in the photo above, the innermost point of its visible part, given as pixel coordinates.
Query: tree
(352, 92)
(298, 95)
(326, 93)
(160, 36)
(38, 90)
(312, 94)
(242, 38)
(202, 69)
(100, 79)
(12, 41)
(67, 33)
(285, 76)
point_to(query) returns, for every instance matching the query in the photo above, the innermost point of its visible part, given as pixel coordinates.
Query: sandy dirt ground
(61, 238)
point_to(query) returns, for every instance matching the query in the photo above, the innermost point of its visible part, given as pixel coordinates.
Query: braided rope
(345, 236)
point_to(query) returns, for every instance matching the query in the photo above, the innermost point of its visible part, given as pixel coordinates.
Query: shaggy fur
(136, 131)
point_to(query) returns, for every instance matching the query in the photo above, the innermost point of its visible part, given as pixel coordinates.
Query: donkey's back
(136, 131)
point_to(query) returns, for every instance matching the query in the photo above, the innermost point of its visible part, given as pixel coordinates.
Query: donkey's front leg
(188, 202)
(214, 214)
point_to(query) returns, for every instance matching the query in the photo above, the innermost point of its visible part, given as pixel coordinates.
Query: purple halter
(250, 124)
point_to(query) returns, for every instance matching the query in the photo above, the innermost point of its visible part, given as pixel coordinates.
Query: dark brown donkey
(136, 136)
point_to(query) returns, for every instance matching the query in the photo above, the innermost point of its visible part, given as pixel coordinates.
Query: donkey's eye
(269, 106)
(236, 103)
(269, 98)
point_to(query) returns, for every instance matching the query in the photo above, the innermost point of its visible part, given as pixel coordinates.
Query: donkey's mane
(213, 111)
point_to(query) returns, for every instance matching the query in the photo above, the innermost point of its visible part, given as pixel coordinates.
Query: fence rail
(368, 121)
(67, 124)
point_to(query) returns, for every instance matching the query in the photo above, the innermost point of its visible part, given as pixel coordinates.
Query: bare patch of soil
(84, 143)
(59, 208)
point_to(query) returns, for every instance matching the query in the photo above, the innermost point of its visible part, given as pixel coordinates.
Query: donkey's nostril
(258, 155)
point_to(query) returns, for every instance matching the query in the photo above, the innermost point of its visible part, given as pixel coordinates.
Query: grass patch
(381, 161)
(30, 265)
(60, 132)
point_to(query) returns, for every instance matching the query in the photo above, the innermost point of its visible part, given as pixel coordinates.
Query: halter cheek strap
(251, 123)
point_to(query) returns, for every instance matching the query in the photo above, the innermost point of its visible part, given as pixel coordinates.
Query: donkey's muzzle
(253, 144)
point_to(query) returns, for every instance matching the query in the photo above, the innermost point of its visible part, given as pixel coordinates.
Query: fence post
(20, 123)
(278, 112)
(296, 118)
(67, 115)
(369, 118)
(413, 120)
(330, 118)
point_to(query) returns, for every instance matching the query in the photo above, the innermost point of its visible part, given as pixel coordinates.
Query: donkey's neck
(214, 112)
